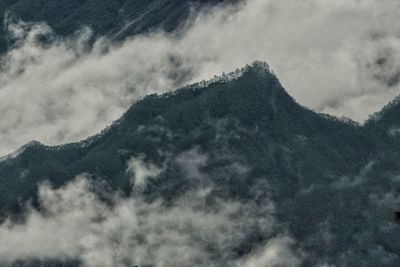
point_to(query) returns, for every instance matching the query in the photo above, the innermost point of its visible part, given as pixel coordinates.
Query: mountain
(116, 19)
(334, 183)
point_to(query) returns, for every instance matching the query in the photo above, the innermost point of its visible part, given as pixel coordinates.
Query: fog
(74, 223)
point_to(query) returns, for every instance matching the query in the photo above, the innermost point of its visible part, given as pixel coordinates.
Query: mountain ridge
(261, 67)
(268, 106)
(253, 143)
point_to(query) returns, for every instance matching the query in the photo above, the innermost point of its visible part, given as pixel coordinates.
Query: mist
(84, 222)
(337, 57)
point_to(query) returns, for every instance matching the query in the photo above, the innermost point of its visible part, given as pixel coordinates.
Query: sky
(338, 57)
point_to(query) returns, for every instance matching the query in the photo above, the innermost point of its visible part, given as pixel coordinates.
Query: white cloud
(278, 252)
(73, 223)
(191, 162)
(356, 180)
(334, 56)
(141, 171)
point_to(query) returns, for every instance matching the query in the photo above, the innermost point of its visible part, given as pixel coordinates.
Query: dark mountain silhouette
(116, 19)
(329, 179)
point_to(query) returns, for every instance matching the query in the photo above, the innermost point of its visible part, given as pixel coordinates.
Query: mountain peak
(260, 67)
(239, 134)
(251, 94)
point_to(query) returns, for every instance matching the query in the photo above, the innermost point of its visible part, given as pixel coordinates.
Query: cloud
(191, 162)
(339, 57)
(74, 223)
(141, 171)
(277, 252)
(357, 180)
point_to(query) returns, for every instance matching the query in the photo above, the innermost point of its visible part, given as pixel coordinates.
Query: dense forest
(322, 173)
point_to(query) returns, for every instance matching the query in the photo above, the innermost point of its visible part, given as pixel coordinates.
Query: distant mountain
(116, 19)
(334, 183)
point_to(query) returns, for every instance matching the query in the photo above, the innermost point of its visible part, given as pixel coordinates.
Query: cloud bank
(339, 57)
(74, 223)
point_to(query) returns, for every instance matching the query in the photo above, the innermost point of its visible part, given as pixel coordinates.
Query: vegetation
(320, 171)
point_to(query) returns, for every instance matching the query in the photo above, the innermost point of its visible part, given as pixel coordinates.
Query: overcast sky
(337, 56)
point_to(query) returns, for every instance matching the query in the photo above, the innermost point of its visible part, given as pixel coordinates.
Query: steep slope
(386, 121)
(117, 19)
(243, 138)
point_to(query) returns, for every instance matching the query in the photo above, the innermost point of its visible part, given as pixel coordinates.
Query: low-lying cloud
(339, 57)
(141, 172)
(74, 224)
